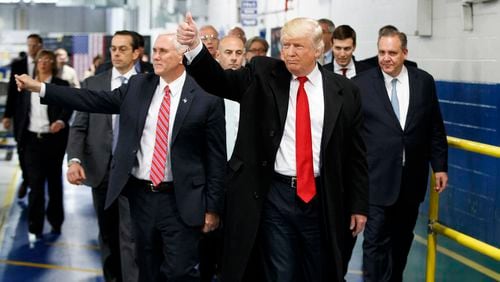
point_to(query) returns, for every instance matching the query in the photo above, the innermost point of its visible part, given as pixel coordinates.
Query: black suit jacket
(262, 89)
(146, 67)
(17, 67)
(198, 148)
(423, 137)
(360, 67)
(22, 110)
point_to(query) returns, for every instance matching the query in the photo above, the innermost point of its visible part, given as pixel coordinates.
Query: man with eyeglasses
(210, 38)
(255, 46)
(23, 65)
(90, 149)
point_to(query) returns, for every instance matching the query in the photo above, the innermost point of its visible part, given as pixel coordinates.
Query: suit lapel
(281, 91)
(144, 98)
(414, 90)
(187, 96)
(332, 93)
(105, 84)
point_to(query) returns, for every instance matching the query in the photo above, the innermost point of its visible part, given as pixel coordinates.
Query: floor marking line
(470, 263)
(50, 266)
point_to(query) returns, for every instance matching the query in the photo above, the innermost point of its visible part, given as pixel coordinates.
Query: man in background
(90, 149)
(64, 71)
(210, 38)
(255, 46)
(343, 47)
(327, 26)
(404, 134)
(23, 65)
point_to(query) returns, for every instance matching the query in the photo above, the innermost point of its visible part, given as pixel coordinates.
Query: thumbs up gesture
(187, 32)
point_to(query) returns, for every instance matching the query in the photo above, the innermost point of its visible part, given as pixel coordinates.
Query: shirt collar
(337, 67)
(175, 86)
(115, 74)
(314, 77)
(400, 77)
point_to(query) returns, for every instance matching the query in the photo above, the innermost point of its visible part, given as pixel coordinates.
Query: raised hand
(25, 82)
(187, 32)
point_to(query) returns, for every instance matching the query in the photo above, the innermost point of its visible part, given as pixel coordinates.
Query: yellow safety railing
(436, 228)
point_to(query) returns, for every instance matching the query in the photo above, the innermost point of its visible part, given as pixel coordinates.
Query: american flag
(85, 48)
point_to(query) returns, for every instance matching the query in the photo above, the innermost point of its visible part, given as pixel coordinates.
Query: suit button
(264, 163)
(271, 133)
(256, 195)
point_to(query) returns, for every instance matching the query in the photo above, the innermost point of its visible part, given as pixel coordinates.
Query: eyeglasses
(120, 49)
(257, 50)
(208, 37)
(44, 60)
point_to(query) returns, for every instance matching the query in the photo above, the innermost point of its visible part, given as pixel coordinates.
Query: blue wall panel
(471, 202)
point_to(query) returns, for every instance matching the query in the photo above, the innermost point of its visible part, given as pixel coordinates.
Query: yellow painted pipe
(431, 236)
(476, 147)
(467, 241)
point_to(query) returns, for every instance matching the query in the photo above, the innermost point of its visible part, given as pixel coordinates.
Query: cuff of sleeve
(73, 161)
(42, 90)
(191, 54)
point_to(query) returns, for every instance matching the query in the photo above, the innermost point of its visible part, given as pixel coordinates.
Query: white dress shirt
(31, 66)
(285, 158)
(147, 143)
(403, 92)
(232, 115)
(117, 82)
(39, 118)
(351, 69)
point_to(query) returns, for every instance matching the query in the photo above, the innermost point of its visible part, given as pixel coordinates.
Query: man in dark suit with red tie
(298, 173)
(169, 161)
(343, 47)
(404, 133)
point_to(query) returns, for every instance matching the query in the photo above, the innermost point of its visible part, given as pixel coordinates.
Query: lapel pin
(184, 100)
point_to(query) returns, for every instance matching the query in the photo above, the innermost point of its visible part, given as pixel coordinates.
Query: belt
(40, 135)
(165, 187)
(289, 180)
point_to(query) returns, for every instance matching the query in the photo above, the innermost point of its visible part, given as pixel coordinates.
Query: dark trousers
(291, 236)
(167, 249)
(43, 157)
(130, 271)
(387, 241)
(210, 255)
(108, 221)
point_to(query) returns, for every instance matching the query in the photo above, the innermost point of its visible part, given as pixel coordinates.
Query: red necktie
(306, 187)
(344, 71)
(161, 141)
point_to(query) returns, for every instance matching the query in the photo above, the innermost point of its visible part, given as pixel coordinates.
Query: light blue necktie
(394, 98)
(116, 124)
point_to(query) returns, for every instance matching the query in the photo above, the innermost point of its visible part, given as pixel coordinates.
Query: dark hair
(256, 39)
(390, 32)
(37, 37)
(51, 55)
(387, 28)
(329, 23)
(344, 32)
(134, 35)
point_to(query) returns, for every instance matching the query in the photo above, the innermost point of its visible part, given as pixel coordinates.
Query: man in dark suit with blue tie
(404, 133)
(169, 160)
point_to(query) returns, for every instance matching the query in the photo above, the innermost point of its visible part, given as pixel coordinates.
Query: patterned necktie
(116, 122)
(306, 187)
(394, 97)
(161, 141)
(344, 71)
